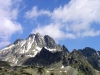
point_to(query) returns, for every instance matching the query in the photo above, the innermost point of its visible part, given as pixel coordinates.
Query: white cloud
(8, 28)
(14, 13)
(8, 23)
(53, 30)
(4, 43)
(77, 10)
(75, 19)
(91, 33)
(34, 13)
(79, 13)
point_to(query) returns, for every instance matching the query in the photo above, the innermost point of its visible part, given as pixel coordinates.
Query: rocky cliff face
(74, 59)
(42, 51)
(21, 50)
(92, 56)
(78, 61)
(45, 58)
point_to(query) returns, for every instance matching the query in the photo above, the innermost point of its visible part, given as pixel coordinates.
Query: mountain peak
(88, 51)
(43, 51)
(38, 34)
(64, 48)
(23, 49)
(50, 43)
(18, 41)
(39, 40)
(31, 36)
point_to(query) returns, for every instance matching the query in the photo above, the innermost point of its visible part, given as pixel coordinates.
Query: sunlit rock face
(21, 50)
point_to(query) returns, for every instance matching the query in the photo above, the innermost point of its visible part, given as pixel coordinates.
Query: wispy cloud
(51, 29)
(73, 20)
(8, 23)
(34, 13)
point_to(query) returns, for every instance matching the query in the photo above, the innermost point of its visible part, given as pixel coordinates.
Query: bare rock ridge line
(42, 51)
(21, 50)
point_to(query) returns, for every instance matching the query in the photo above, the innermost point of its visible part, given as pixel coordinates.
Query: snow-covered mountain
(21, 50)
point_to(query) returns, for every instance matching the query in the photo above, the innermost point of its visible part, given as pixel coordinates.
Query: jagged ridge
(43, 51)
(21, 50)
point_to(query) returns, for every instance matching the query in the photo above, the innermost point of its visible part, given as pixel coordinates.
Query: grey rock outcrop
(92, 56)
(21, 50)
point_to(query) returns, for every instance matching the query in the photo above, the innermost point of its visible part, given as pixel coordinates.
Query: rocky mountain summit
(92, 56)
(45, 55)
(21, 50)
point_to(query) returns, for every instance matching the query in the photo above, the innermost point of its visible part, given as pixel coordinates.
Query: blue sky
(74, 23)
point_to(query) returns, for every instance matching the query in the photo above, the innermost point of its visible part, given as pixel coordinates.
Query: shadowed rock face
(92, 56)
(4, 64)
(50, 43)
(88, 51)
(45, 58)
(21, 50)
(78, 61)
(75, 59)
(38, 50)
(18, 41)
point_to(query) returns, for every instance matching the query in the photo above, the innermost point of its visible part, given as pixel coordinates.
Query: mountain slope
(46, 58)
(74, 59)
(92, 56)
(43, 52)
(21, 50)
(78, 61)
